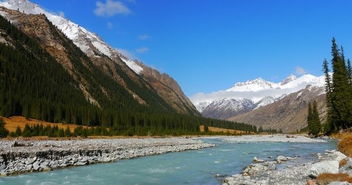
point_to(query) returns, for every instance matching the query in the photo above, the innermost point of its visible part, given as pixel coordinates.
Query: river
(203, 167)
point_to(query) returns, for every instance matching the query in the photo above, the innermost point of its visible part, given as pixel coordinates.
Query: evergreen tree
(339, 91)
(18, 131)
(3, 131)
(315, 120)
(310, 118)
(349, 69)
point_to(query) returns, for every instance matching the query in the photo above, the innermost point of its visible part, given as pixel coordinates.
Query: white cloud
(110, 25)
(300, 71)
(144, 37)
(142, 50)
(110, 8)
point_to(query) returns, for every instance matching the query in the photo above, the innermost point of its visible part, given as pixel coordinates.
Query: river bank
(331, 167)
(22, 156)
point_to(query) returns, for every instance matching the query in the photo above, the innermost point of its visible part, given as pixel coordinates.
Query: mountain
(288, 114)
(135, 77)
(225, 108)
(46, 76)
(259, 91)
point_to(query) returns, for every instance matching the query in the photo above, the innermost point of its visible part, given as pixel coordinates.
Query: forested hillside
(36, 85)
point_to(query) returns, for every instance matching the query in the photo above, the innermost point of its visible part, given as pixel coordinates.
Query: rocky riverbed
(23, 156)
(289, 170)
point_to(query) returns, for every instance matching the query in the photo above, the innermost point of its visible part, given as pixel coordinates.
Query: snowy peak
(259, 91)
(288, 79)
(252, 85)
(87, 41)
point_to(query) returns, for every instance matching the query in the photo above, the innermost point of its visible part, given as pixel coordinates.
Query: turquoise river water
(200, 167)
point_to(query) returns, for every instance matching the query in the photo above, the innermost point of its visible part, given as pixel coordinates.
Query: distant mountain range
(244, 99)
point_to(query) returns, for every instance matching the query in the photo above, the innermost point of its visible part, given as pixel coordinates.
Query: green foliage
(339, 91)
(3, 131)
(314, 125)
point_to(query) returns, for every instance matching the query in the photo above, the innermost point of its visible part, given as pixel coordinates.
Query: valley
(145, 88)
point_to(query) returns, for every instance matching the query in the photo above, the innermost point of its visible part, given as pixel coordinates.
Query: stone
(31, 160)
(329, 166)
(36, 166)
(339, 183)
(281, 158)
(347, 168)
(256, 160)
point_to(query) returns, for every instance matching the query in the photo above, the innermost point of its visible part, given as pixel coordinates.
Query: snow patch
(133, 65)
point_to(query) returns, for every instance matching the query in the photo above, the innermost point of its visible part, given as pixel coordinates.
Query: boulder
(281, 158)
(329, 166)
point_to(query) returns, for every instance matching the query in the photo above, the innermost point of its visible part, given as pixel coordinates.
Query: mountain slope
(99, 88)
(36, 83)
(108, 59)
(288, 114)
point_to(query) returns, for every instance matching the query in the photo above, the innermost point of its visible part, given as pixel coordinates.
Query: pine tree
(330, 126)
(18, 131)
(349, 69)
(310, 118)
(314, 125)
(339, 91)
(315, 120)
(3, 131)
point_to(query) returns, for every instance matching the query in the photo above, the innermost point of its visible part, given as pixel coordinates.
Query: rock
(329, 166)
(311, 182)
(347, 168)
(256, 160)
(36, 166)
(31, 160)
(339, 183)
(281, 158)
(254, 169)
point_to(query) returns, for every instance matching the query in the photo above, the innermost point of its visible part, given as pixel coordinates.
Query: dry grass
(326, 178)
(221, 130)
(345, 145)
(13, 122)
(343, 162)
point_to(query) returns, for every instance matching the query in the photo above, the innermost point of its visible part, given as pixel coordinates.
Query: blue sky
(208, 45)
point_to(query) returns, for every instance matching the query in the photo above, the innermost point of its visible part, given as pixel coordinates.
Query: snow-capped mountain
(288, 114)
(132, 75)
(87, 41)
(259, 91)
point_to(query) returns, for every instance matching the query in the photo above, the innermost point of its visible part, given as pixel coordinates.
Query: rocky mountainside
(226, 108)
(251, 95)
(136, 78)
(289, 113)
